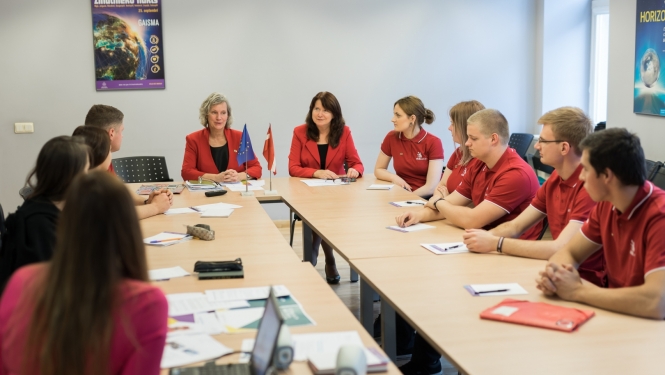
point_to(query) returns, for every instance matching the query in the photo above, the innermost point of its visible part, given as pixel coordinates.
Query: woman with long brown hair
(91, 309)
(320, 148)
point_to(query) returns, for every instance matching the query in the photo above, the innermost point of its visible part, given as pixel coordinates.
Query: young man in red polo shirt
(498, 184)
(562, 199)
(111, 120)
(628, 223)
(497, 187)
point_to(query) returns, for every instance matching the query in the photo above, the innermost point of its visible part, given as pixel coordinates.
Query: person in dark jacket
(30, 231)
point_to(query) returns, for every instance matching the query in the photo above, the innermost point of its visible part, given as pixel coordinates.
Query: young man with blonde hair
(627, 225)
(497, 187)
(111, 120)
(562, 199)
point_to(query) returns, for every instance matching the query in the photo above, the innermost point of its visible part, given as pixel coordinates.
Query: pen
(415, 202)
(166, 240)
(492, 291)
(452, 247)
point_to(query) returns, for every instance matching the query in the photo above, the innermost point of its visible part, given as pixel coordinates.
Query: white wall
(566, 38)
(650, 129)
(269, 58)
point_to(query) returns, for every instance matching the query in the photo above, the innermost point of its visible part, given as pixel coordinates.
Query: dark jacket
(29, 236)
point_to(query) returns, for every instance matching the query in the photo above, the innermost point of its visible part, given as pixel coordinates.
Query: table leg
(388, 336)
(354, 276)
(366, 306)
(306, 242)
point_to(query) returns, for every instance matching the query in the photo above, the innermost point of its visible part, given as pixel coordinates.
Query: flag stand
(247, 192)
(270, 192)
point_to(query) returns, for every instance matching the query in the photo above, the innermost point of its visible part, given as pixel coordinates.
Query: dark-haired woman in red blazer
(319, 149)
(211, 152)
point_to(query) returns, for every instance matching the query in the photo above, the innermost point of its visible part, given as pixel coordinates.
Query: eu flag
(245, 151)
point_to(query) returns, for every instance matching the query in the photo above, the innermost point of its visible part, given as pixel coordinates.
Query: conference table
(427, 290)
(424, 288)
(250, 234)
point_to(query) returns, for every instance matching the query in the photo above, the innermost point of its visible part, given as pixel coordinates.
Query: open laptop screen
(266, 338)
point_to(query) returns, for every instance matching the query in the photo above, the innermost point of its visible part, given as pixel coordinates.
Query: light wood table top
(248, 233)
(429, 294)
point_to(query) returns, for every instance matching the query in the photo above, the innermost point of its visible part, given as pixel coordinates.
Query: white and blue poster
(649, 93)
(128, 44)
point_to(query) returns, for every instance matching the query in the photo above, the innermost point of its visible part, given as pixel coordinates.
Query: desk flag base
(247, 193)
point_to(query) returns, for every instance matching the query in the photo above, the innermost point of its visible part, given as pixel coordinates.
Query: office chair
(539, 166)
(658, 177)
(25, 191)
(520, 142)
(546, 224)
(142, 169)
(652, 168)
(600, 126)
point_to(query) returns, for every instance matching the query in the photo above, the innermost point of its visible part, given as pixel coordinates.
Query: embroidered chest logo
(632, 248)
(463, 172)
(419, 156)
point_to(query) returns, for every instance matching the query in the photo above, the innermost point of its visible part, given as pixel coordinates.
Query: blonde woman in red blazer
(212, 152)
(318, 150)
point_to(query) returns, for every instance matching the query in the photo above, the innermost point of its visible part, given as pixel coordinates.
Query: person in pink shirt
(91, 309)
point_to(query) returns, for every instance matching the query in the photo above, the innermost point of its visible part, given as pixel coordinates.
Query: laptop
(262, 354)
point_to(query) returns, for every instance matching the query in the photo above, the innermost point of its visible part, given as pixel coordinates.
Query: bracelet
(499, 245)
(437, 201)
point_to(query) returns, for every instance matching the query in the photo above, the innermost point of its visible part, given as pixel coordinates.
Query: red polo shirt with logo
(511, 184)
(633, 241)
(566, 201)
(411, 157)
(458, 171)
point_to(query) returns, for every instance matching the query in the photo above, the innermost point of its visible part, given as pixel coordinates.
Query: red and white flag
(269, 151)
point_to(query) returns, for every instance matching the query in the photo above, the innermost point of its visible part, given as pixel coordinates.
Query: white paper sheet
(445, 248)
(315, 182)
(412, 228)
(227, 305)
(245, 294)
(380, 187)
(234, 320)
(187, 303)
(166, 239)
(308, 344)
(507, 289)
(411, 203)
(215, 206)
(257, 182)
(217, 212)
(176, 211)
(185, 350)
(167, 273)
(210, 323)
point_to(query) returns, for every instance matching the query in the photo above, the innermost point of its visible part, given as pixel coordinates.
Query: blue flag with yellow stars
(245, 151)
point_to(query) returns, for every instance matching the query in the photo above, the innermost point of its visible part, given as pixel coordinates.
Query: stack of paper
(217, 212)
(167, 273)
(215, 206)
(324, 182)
(380, 187)
(446, 247)
(194, 185)
(495, 289)
(411, 203)
(183, 210)
(166, 239)
(412, 228)
(185, 350)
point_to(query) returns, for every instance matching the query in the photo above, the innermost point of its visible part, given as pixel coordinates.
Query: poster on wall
(649, 92)
(128, 45)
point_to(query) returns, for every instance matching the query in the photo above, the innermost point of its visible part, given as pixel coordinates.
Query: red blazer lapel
(313, 150)
(332, 155)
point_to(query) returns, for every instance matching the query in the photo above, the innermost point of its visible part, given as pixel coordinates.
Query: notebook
(538, 314)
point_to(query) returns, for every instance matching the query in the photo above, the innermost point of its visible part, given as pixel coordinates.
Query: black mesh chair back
(600, 126)
(142, 169)
(652, 168)
(520, 142)
(658, 178)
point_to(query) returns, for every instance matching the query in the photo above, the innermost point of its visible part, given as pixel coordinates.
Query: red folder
(537, 314)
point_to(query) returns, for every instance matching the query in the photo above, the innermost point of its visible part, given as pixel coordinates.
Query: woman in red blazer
(211, 152)
(319, 149)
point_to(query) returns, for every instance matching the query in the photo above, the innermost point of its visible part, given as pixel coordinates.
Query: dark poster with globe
(128, 45)
(649, 92)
